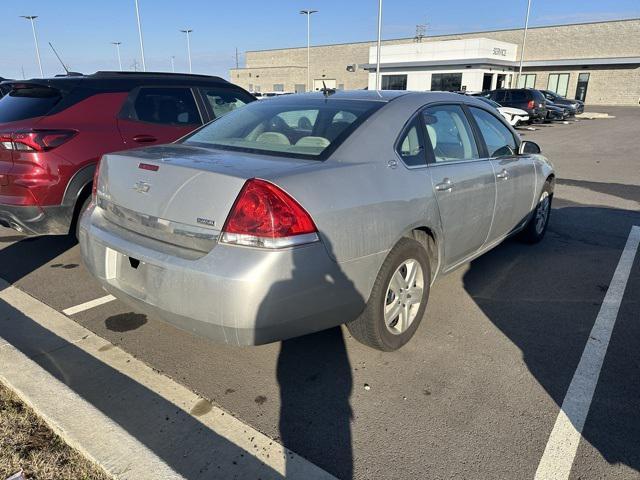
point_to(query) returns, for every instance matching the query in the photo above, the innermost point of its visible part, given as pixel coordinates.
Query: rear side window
(450, 134)
(166, 106)
(518, 96)
(410, 146)
(224, 101)
(497, 136)
(23, 103)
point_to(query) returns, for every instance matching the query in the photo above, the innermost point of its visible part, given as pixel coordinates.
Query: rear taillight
(531, 105)
(94, 186)
(265, 216)
(36, 140)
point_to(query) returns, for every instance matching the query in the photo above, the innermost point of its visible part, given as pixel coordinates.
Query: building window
(300, 88)
(278, 87)
(446, 82)
(341, 86)
(527, 80)
(558, 83)
(394, 82)
(256, 88)
(251, 87)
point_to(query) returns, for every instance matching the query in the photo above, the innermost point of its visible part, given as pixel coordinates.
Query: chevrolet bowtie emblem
(141, 187)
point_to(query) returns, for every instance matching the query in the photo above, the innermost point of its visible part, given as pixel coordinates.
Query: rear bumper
(234, 295)
(34, 220)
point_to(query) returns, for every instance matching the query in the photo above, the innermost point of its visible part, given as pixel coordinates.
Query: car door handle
(503, 175)
(144, 139)
(445, 186)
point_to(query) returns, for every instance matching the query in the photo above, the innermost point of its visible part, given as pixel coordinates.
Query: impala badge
(142, 187)
(206, 221)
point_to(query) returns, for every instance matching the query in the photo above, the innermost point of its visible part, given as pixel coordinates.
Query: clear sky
(81, 30)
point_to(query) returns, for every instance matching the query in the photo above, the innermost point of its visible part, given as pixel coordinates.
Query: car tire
(536, 227)
(78, 215)
(385, 333)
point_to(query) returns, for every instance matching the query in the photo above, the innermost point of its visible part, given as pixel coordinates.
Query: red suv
(53, 131)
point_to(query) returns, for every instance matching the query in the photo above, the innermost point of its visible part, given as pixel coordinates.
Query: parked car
(53, 131)
(514, 116)
(304, 212)
(529, 100)
(577, 106)
(555, 113)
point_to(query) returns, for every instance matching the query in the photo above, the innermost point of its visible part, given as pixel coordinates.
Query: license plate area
(131, 274)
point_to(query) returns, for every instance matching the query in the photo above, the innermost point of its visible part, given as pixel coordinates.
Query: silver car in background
(309, 211)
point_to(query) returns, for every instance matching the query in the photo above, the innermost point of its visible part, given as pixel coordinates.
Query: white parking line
(562, 445)
(88, 305)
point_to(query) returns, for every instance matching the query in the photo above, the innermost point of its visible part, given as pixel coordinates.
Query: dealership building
(597, 62)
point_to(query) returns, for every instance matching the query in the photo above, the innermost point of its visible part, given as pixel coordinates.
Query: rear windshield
(293, 127)
(23, 103)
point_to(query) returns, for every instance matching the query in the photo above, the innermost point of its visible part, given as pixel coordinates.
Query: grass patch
(27, 443)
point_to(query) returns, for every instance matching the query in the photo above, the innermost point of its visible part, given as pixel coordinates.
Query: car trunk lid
(179, 194)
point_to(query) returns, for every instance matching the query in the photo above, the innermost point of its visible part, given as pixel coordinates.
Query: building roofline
(449, 34)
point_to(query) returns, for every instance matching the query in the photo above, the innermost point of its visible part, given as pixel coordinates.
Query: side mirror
(529, 148)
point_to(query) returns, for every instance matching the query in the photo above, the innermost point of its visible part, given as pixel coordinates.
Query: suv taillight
(265, 216)
(531, 105)
(36, 140)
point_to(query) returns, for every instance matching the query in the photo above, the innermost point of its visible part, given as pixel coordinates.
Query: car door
(515, 174)
(462, 181)
(156, 115)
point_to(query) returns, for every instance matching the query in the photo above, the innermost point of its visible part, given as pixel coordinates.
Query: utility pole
(378, 46)
(524, 41)
(173, 63)
(308, 13)
(144, 65)
(188, 32)
(237, 61)
(117, 44)
(35, 39)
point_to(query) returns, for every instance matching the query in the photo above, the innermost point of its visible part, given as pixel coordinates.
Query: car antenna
(59, 59)
(327, 91)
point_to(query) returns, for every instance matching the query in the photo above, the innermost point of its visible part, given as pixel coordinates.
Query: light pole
(117, 44)
(173, 63)
(188, 32)
(144, 65)
(378, 45)
(35, 39)
(524, 41)
(308, 13)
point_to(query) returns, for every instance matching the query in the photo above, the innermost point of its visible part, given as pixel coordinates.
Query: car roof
(107, 80)
(384, 96)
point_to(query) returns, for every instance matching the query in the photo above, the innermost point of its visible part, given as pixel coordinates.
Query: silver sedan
(304, 212)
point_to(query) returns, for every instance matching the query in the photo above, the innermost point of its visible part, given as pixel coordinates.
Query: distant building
(598, 62)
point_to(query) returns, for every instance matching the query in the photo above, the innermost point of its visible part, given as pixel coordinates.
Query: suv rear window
(293, 128)
(23, 103)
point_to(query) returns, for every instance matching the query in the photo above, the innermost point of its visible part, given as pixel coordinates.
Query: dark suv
(53, 132)
(529, 100)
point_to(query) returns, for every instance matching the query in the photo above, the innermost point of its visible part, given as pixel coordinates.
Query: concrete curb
(131, 420)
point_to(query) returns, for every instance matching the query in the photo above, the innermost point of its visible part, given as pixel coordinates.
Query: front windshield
(298, 127)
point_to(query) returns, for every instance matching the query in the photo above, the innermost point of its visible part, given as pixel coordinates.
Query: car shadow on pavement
(314, 373)
(545, 299)
(28, 254)
(186, 445)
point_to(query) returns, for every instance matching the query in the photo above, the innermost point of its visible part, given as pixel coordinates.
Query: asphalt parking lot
(477, 391)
